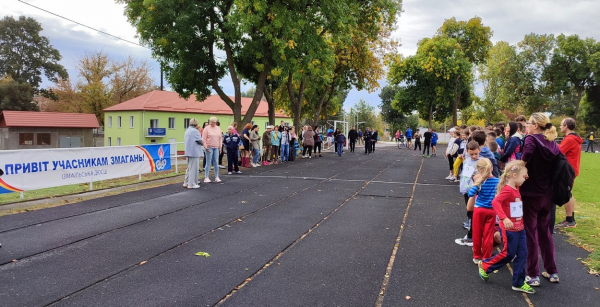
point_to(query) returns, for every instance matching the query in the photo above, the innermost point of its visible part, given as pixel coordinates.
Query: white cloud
(510, 20)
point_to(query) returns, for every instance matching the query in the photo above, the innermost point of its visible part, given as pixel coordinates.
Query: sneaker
(534, 282)
(456, 180)
(206, 180)
(238, 172)
(464, 241)
(476, 260)
(254, 164)
(482, 272)
(448, 177)
(221, 166)
(185, 185)
(524, 288)
(566, 224)
(217, 179)
(229, 173)
(452, 178)
(552, 277)
(428, 156)
(194, 187)
(320, 156)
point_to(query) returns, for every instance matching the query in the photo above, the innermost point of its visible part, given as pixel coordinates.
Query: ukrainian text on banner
(33, 169)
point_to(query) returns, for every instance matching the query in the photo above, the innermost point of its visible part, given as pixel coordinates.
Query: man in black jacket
(374, 137)
(352, 135)
(367, 137)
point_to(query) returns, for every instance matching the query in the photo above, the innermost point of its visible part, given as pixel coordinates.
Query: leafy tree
(396, 119)
(367, 117)
(474, 40)
(25, 55)
(492, 75)
(102, 82)
(16, 96)
(590, 105)
(574, 65)
(430, 78)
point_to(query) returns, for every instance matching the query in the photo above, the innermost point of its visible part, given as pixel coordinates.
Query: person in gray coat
(193, 152)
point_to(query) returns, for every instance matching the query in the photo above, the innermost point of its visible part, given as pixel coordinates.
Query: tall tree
(474, 40)
(394, 117)
(575, 64)
(16, 96)
(430, 78)
(492, 75)
(25, 55)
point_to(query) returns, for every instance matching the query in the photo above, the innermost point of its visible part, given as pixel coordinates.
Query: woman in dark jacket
(512, 147)
(539, 151)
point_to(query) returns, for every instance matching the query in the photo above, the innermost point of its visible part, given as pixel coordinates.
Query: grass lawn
(587, 211)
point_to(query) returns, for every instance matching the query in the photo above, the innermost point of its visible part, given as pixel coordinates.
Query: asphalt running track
(357, 230)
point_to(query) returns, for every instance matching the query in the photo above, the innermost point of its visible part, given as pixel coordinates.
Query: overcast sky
(510, 20)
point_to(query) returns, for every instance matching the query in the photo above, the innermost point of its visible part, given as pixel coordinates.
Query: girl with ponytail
(509, 208)
(484, 218)
(539, 151)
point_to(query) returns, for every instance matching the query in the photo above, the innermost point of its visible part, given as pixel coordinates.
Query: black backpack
(563, 177)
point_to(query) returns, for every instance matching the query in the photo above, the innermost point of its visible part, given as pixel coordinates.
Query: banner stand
(22, 196)
(91, 185)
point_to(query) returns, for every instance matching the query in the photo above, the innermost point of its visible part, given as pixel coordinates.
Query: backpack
(563, 177)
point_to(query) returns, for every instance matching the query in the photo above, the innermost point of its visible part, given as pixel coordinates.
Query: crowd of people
(505, 176)
(250, 148)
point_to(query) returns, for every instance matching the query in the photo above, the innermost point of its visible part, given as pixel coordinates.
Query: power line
(73, 21)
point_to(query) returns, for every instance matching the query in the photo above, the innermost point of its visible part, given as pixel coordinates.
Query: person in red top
(571, 148)
(508, 206)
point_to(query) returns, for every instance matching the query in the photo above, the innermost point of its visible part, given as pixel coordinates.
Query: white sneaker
(221, 166)
(448, 177)
(228, 173)
(452, 178)
(254, 165)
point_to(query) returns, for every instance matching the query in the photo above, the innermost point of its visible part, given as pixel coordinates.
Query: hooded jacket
(571, 148)
(538, 154)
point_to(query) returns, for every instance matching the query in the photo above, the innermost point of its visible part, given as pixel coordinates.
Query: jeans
(590, 146)
(256, 155)
(285, 149)
(212, 157)
(340, 147)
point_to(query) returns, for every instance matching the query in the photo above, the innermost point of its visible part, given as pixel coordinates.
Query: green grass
(587, 211)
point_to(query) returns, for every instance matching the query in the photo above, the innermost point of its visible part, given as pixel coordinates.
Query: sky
(510, 20)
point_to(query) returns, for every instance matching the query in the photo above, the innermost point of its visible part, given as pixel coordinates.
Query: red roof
(171, 102)
(47, 119)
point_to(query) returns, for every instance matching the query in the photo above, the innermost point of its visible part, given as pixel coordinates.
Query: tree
(25, 55)
(396, 119)
(492, 75)
(574, 65)
(590, 105)
(430, 78)
(474, 40)
(16, 96)
(102, 82)
(365, 114)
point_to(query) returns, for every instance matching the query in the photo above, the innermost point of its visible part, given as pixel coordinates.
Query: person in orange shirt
(571, 148)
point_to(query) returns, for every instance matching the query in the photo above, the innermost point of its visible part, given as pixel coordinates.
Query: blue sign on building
(157, 131)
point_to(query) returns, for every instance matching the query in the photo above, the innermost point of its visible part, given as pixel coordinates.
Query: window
(109, 121)
(118, 141)
(119, 121)
(154, 123)
(25, 138)
(109, 141)
(186, 123)
(130, 121)
(43, 138)
(171, 122)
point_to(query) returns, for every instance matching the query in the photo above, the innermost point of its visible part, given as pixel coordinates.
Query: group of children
(494, 207)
